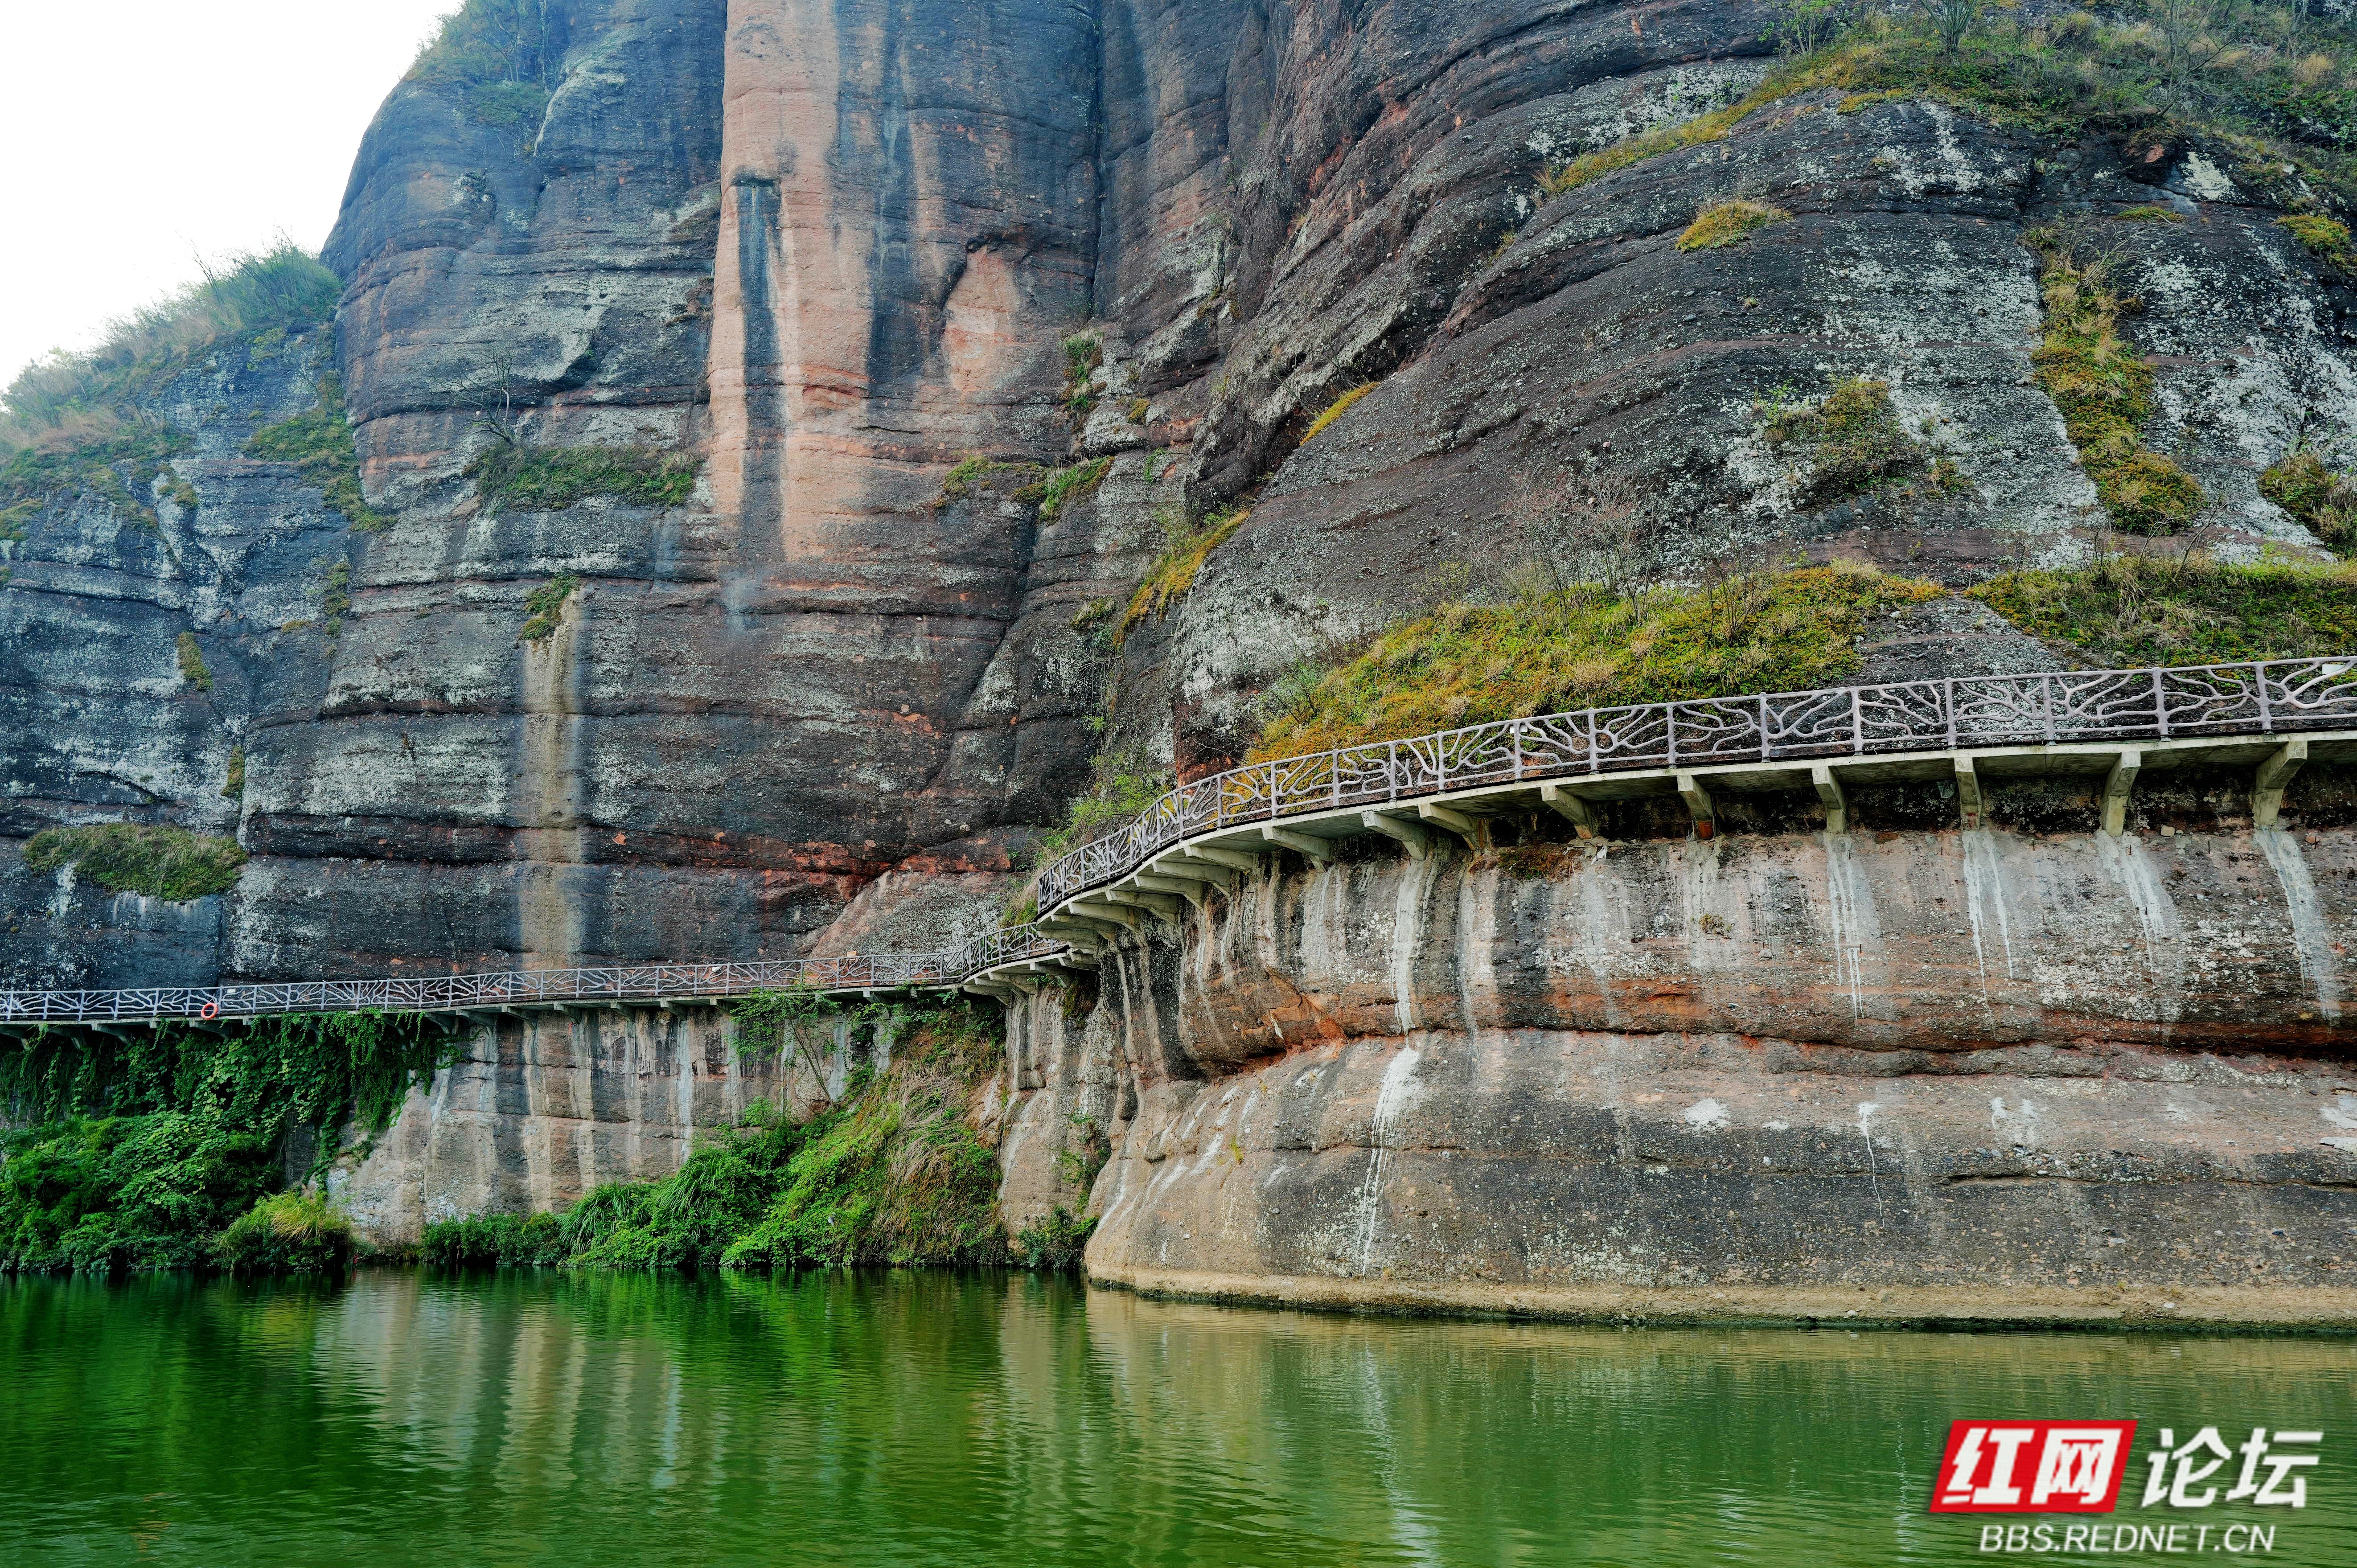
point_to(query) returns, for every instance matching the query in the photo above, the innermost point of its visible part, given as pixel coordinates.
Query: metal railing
(2282, 696)
(462, 992)
(2286, 696)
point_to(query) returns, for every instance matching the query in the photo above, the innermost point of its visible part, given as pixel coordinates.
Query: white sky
(136, 135)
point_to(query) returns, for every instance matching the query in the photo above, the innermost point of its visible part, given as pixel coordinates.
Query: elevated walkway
(2269, 718)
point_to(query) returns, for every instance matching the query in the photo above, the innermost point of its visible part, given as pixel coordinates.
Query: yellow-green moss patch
(1848, 444)
(192, 663)
(1173, 572)
(1335, 409)
(1729, 222)
(2105, 392)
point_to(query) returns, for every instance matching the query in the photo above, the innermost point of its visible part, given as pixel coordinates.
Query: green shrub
(2132, 610)
(1587, 646)
(544, 607)
(319, 444)
(1056, 1242)
(1060, 487)
(171, 863)
(553, 479)
(494, 1241)
(125, 1193)
(493, 54)
(296, 1231)
(2104, 391)
(894, 1173)
(145, 1151)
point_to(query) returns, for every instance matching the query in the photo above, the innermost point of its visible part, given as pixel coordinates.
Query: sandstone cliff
(834, 253)
(966, 319)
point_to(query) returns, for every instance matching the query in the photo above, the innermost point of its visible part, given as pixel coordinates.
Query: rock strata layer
(1960, 1076)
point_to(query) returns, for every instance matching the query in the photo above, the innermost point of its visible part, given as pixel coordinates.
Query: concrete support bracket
(1472, 830)
(1112, 914)
(1968, 789)
(1318, 849)
(2118, 785)
(1161, 904)
(2274, 775)
(1186, 888)
(1829, 790)
(1217, 854)
(1411, 834)
(1698, 802)
(1578, 812)
(1218, 876)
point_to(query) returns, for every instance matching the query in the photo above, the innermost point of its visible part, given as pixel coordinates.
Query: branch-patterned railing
(2286, 696)
(2276, 697)
(461, 992)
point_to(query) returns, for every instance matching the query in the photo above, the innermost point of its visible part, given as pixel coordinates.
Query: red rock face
(835, 250)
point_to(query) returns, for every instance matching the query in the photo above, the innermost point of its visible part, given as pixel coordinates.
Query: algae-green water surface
(893, 1418)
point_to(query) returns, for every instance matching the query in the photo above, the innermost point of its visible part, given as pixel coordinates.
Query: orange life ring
(209, 1010)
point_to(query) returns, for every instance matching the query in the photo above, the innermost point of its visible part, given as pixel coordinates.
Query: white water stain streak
(2164, 933)
(1985, 898)
(1849, 917)
(2311, 937)
(1394, 1096)
(1407, 937)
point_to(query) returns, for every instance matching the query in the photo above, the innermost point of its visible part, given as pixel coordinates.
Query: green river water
(932, 1417)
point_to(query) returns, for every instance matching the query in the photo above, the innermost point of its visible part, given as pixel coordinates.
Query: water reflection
(932, 1418)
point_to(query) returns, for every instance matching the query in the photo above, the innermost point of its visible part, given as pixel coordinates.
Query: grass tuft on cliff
(2276, 86)
(1587, 646)
(2104, 391)
(2322, 499)
(1173, 573)
(318, 442)
(1729, 223)
(895, 1172)
(171, 863)
(1848, 443)
(544, 607)
(2126, 611)
(493, 55)
(73, 401)
(552, 478)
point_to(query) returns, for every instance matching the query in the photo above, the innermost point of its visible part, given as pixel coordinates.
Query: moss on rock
(1587, 646)
(155, 862)
(2126, 611)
